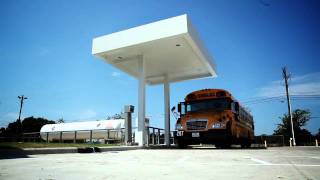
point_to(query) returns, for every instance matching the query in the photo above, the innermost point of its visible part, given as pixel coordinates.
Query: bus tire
(218, 146)
(182, 144)
(245, 143)
(222, 145)
(248, 144)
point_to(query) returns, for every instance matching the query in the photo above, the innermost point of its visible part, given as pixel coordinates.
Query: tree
(300, 117)
(115, 116)
(60, 120)
(2, 130)
(14, 129)
(318, 134)
(31, 124)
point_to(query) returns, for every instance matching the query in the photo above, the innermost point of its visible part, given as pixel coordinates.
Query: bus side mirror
(173, 109)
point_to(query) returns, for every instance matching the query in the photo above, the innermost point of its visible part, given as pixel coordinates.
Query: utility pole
(22, 98)
(286, 76)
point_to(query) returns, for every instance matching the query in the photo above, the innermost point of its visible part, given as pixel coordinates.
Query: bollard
(290, 141)
(173, 138)
(265, 143)
(316, 143)
(153, 136)
(148, 136)
(158, 136)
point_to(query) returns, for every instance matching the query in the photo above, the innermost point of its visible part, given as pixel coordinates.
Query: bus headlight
(179, 127)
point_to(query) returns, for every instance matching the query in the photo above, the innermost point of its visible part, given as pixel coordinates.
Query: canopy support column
(166, 86)
(140, 137)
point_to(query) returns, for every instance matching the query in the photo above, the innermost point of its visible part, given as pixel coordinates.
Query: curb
(33, 151)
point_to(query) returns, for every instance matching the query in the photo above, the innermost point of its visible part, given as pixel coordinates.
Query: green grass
(20, 145)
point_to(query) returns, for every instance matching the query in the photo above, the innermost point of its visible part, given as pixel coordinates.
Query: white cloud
(308, 84)
(115, 74)
(307, 77)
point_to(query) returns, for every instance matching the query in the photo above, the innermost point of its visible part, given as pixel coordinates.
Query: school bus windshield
(213, 104)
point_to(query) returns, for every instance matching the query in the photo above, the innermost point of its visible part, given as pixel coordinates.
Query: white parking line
(265, 163)
(312, 157)
(260, 161)
(300, 165)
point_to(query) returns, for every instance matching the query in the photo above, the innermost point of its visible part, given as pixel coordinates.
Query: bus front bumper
(210, 136)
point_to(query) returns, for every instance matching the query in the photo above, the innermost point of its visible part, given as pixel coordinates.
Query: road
(272, 163)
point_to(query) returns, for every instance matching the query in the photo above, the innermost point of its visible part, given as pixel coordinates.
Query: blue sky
(45, 54)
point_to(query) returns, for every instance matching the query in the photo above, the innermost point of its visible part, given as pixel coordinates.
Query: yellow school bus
(213, 116)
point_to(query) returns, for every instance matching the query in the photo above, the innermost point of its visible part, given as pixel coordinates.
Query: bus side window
(235, 107)
(188, 107)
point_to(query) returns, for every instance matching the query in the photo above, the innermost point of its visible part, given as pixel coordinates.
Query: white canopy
(170, 47)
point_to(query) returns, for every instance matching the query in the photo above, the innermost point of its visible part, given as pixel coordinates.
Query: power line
(314, 117)
(281, 98)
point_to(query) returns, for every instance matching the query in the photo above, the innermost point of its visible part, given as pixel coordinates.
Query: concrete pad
(272, 163)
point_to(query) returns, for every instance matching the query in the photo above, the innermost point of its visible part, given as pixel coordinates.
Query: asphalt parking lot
(272, 163)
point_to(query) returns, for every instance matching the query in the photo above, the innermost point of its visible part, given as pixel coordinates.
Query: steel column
(166, 110)
(141, 103)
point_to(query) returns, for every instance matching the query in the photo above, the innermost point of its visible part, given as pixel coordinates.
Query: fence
(280, 140)
(154, 136)
(273, 140)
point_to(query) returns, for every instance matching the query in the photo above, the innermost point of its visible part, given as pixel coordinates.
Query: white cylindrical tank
(101, 129)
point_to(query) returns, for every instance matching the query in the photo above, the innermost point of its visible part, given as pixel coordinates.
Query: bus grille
(197, 124)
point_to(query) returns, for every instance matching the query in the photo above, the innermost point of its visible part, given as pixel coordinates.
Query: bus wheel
(227, 146)
(182, 144)
(245, 143)
(223, 145)
(248, 144)
(218, 146)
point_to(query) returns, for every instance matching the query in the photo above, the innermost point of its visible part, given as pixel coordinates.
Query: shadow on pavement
(198, 147)
(89, 150)
(12, 153)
